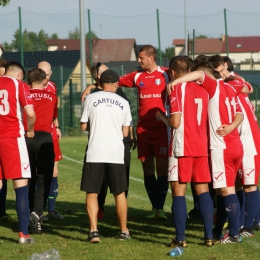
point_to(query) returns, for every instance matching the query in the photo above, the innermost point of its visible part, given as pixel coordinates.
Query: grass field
(149, 238)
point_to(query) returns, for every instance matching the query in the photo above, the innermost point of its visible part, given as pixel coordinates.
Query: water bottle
(52, 254)
(176, 251)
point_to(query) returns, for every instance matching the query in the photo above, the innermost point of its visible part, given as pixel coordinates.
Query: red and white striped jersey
(249, 129)
(191, 137)
(151, 92)
(14, 95)
(51, 87)
(223, 105)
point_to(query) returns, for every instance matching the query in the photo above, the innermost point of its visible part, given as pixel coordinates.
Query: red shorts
(14, 159)
(152, 142)
(193, 169)
(250, 170)
(225, 164)
(56, 145)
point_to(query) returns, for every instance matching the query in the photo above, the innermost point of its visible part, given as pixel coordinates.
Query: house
(103, 50)
(244, 51)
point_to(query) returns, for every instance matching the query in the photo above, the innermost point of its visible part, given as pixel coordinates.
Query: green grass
(148, 237)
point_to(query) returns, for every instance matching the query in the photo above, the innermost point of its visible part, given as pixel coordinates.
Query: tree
(31, 41)
(201, 36)
(75, 34)
(168, 53)
(4, 2)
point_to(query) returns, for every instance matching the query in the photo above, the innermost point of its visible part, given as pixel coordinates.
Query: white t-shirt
(106, 113)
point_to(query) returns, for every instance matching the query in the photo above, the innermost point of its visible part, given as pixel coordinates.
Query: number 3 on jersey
(4, 104)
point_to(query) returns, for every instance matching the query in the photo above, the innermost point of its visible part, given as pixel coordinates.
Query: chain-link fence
(115, 40)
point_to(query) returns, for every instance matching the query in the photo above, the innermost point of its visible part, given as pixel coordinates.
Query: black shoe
(247, 232)
(35, 223)
(257, 226)
(124, 235)
(93, 237)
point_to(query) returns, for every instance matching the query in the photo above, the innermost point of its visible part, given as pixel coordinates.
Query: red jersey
(151, 92)
(223, 105)
(191, 137)
(45, 106)
(51, 87)
(14, 94)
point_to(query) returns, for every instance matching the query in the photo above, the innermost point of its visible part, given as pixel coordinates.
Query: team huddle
(196, 124)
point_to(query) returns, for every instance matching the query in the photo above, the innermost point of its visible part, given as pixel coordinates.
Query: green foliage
(75, 34)
(201, 36)
(4, 2)
(31, 41)
(168, 53)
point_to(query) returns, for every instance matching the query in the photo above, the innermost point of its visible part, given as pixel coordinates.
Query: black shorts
(93, 176)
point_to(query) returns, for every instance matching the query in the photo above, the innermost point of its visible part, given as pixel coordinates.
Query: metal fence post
(71, 103)
(159, 38)
(226, 31)
(90, 41)
(21, 35)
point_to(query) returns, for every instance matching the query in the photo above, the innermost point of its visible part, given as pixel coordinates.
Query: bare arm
(224, 130)
(125, 130)
(84, 126)
(173, 121)
(192, 76)
(57, 125)
(87, 91)
(31, 117)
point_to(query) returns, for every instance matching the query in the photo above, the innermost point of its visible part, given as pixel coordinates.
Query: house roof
(68, 60)
(104, 50)
(217, 45)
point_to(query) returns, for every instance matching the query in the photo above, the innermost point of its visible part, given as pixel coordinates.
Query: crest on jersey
(141, 84)
(157, 81)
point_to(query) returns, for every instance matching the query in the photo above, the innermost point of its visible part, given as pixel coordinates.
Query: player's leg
(102, 198)
(3, 193)
(257, 216)
(241, 198)
(127, 159)
(91, 182)
(201, 178)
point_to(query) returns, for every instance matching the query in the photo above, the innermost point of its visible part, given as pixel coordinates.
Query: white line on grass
(132, 178)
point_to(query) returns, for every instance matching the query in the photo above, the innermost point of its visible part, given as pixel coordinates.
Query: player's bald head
(45, 66)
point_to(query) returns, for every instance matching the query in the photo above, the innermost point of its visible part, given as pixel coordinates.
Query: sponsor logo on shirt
(39, 96)
(141, 84)
(109, 102)
(149, 95)
(157, 81)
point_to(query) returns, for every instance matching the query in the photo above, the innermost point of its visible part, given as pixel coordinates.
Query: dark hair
(179, 64)
(36, 75)
(3, 63)
(230, 65)
(149, 50)
(206, 67)
(216, 61)
(14, 64)
(200, 58)
(94, 70)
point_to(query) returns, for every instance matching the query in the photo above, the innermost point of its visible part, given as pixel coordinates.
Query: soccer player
(226, 150)
(56, 136)
(188, 153)
(250, 138)
(40, 148)
(152, 136)
(14, 160)
(107, 116)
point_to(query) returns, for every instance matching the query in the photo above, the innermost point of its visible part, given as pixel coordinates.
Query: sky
(134, 7)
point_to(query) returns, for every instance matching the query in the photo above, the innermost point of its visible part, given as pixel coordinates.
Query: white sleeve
(84, 115)
(128, 118)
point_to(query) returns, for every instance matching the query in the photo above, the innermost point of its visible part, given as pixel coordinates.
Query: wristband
(57, 126)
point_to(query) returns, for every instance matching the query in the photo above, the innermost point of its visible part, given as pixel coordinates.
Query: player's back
(10, 113)
(191, 138)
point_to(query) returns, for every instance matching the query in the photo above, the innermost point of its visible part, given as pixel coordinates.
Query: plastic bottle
(176, 251)
(52, 254)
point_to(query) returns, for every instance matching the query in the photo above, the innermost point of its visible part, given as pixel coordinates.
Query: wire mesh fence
(115, 40)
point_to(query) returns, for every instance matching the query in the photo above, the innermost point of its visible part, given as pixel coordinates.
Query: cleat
(257, 226)
(44, 218)
(209, 242)
(93, 237)
(55, 215)
(152, 215)
(35, 223)
(124, 235)
(229, 239)
(176, 243)
(100, 214)
(160, 214)
(247, 232)
(25, 239)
